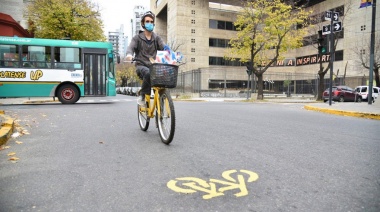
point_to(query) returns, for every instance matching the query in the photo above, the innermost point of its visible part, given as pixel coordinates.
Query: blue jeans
(144, 74)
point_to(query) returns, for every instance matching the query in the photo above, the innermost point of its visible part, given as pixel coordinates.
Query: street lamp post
(225, 83)
(372, 51)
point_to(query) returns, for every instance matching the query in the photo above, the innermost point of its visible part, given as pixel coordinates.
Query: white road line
(104, 100)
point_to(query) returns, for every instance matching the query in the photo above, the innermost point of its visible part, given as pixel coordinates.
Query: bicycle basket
(163, 75)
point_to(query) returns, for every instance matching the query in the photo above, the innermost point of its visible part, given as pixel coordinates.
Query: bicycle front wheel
(142, 114)
(165, 118)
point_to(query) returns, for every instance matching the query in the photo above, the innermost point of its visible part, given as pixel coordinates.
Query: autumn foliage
(65, 19)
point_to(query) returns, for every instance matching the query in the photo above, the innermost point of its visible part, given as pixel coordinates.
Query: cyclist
(145, 45)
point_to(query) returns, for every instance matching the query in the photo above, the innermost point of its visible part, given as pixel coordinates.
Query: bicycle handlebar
(149, 64)
(141, 61)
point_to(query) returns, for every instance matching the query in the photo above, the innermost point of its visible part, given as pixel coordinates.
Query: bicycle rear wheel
(166, 119)
(142, 114)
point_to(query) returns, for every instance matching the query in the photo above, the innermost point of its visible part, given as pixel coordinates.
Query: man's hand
(167, 48)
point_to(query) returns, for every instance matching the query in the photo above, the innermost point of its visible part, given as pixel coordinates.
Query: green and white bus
(67, 69)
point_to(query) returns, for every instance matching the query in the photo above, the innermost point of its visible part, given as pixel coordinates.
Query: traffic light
(322, 43)
(249, 66)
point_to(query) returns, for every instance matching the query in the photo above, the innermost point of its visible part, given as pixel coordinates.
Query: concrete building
(12, 22)
(138, 11)
(15, 9)
(113, 37)
(204, 28)
(119, 41)
(123, 42)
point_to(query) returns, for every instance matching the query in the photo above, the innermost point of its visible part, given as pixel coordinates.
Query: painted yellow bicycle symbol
(190, 185)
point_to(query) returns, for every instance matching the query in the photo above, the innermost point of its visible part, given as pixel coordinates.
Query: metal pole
(225, 83)
(182, 82)
(252, 83)
(316, 84)
(331, 55)
(372, 50)
(248, 86)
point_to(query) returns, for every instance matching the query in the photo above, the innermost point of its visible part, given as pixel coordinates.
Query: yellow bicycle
(162, 76)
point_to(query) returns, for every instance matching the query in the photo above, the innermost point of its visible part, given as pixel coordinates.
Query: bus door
(95, 72)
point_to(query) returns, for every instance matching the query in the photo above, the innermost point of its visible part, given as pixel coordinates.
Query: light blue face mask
(149, 27)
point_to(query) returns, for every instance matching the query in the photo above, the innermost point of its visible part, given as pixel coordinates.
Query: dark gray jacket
(145, 49)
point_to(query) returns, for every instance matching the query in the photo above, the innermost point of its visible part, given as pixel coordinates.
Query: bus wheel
(68, 94)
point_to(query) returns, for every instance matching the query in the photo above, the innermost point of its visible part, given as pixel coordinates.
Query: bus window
(111, 68)
(36, 56)
(67, 58)
(9, 56)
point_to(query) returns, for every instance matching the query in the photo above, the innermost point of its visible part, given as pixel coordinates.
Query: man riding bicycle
(145, 46)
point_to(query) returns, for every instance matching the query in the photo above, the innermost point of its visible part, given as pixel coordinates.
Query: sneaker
(141, 101)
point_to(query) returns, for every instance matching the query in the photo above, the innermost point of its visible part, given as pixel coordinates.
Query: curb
(6, 128)
(374, 116)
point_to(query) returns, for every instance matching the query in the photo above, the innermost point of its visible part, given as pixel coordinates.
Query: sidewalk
(6, 127)
(355, 109)
(362, 110)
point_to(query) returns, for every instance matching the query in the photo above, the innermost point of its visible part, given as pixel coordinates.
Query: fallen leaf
(11, 153)
(18, 142)
(25, 132)
(6, 147)
(101, 142)
(15, 135)
(14, 158)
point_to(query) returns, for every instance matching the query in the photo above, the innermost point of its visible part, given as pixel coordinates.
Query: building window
(192, 59)
(226, 25)
(216, 42)
(220, 61)
(192, 40)
(193, 2)
(193, 12)
(192, 30)
(193, 21)
(362, 51)
(362, 28)
(192, 49)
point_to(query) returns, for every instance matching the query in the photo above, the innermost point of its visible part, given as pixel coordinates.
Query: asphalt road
(225, 156)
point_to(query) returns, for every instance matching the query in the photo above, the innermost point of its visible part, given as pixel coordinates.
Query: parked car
(363, 90)
(124, 91)
(376, 91)
(118, 90)
(342, 93)
(134, 91)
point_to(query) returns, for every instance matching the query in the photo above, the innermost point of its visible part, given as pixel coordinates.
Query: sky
(118, 12)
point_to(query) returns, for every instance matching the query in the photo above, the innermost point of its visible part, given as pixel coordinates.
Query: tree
(266, 30)
(125, 72)
(363, 53)
(62, 19)
(175, 44)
